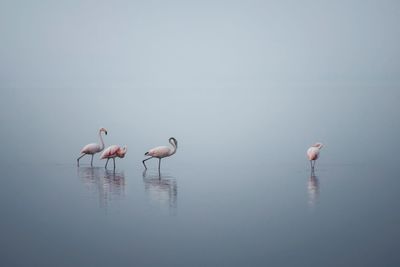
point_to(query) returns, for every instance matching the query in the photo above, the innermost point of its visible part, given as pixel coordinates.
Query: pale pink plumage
(113, 152)
(93, 148)
(313, 153)
(162, 152)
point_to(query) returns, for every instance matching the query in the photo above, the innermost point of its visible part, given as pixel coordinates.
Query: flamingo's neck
(174, 147)
(101, 141)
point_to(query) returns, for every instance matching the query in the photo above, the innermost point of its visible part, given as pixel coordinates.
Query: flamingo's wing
(90, 149)
(159, 152)
(110, 152)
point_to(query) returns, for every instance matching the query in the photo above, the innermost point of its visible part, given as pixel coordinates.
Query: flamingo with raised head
(313, 153)
(161, 152)
(113, 152)
(93, 148)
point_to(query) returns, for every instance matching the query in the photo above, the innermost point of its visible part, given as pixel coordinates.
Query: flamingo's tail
(147, 153)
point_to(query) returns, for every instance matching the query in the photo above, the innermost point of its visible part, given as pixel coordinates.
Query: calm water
(239, 191)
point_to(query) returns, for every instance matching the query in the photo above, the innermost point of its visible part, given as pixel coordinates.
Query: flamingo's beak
(105, 132)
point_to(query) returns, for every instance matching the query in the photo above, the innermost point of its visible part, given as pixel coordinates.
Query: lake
(238, 192)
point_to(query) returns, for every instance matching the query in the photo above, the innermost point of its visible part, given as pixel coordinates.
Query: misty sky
(196, 44)
(259, 79)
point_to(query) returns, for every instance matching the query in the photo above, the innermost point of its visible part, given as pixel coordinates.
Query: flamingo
(93, 148)
(112, 152)
(161, 152)
(313, 153)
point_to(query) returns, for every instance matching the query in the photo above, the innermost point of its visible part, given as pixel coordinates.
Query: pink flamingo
(161, 152)
(313, 153)
(93, 148)
(112, 152)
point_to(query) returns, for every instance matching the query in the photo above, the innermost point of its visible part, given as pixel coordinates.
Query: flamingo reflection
(161, 189)
(109, 185)
(313, 189)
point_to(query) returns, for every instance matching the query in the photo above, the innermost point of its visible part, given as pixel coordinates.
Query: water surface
(239, 191)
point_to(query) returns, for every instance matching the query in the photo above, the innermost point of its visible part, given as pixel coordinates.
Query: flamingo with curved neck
(161, 152)
(93, 148)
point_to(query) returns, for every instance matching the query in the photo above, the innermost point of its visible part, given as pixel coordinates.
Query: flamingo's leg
(106, 163)
(159, 164)
(114, 162)
(91, 162)
(145, 163)
(80, 158)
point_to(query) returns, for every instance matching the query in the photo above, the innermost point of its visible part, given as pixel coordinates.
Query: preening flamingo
(113, 152)
(161, 152)
(93, 148)
(313, 153)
